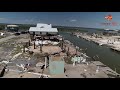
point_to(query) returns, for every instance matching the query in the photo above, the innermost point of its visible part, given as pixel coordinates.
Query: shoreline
(101, 41)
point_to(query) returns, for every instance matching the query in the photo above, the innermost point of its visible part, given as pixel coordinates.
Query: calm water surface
(106, 55)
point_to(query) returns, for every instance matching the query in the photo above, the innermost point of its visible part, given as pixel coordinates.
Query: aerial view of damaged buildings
(43, 53)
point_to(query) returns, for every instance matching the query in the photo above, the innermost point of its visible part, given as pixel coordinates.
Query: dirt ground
(12, 47)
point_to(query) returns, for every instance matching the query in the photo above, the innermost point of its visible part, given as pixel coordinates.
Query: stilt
(61, 44)
(34, 44)
(68, 52)
(24, 48)
(41, 48)
(29, 42)
(76, 51)
(45, 62)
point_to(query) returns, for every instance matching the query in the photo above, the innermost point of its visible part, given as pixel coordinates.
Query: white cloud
(73, 20)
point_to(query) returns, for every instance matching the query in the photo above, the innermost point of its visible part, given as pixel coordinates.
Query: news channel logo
(109, 21)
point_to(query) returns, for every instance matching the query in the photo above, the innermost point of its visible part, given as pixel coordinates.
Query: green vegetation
(25, 26)
(100, 29)
(21, 26)
(75, 29)
(71, 30)
(2, 26)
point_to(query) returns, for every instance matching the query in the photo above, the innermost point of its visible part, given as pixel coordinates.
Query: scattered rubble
(21, 59)
(15, 56)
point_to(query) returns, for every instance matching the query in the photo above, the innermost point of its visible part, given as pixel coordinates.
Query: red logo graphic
(108, 17)
(114, 23)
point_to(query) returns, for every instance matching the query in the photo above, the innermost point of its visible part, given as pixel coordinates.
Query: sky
(77, 19)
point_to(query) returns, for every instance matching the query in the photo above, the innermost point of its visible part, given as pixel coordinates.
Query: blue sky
(79, 19)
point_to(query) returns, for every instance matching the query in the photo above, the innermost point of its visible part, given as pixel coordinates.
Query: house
(110, 32)
(12, 28)
(43, 29)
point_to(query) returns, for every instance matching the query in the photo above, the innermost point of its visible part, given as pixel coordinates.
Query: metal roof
(12, 25)
(43, 29)
(42, 25)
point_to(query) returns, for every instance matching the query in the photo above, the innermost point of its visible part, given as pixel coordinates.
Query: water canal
(106, 55)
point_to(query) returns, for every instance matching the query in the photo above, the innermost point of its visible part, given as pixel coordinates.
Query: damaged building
(45, 40)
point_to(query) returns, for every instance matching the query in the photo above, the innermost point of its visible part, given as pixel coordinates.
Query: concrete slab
(46, 49)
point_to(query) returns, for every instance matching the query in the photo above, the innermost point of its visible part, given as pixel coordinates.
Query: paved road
(7, 38)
